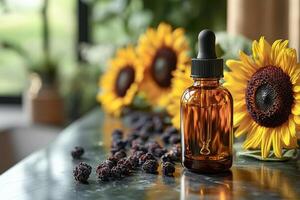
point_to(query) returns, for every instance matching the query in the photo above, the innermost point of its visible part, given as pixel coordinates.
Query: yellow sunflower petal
(292, 127)
(239, 117)
(266, 143)
(277, 144)
(277, 51)
(254, 137)
(261, 52)
(243, 128)
(285, 134)
(296, 109)
(297, 119)
(239, 67)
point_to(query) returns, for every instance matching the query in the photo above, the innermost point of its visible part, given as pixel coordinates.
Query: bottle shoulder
(206, 95)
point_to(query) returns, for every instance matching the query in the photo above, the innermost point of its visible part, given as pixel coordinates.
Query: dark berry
(103, 173)
(135, 142)
(145, 157)
(176, 150)
(158, 152)
(171, 130)
(113, 159)
(107, 163)
(120, 154)
(134, 161)
(133, 118)
(168, 168)
(116, 172)
(150, 166)
(138, 154)
(152, 145)
(77, 152)
(165, 137)
(144, 135)
(167, 158)
(158, 124)
(119, 144)
(175, 153)
(126, 162)
(114, 150)
(140, 123)
(117, 134)
(174, 139)
(131, 137)
(124, 169)
(148, 127)
(82, 172)
(137, 146)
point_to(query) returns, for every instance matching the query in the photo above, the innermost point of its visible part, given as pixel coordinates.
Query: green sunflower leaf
(287, 154)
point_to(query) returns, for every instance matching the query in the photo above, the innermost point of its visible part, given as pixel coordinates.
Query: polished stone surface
(47, 174)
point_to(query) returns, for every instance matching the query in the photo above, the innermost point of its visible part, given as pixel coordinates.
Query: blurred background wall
(275, 19)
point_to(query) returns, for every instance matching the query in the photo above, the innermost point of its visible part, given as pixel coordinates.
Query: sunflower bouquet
(145, 70)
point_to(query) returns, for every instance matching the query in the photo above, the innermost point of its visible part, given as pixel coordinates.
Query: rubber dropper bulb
(206, 45)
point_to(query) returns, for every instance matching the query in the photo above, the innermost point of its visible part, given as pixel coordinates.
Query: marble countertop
(47, 174)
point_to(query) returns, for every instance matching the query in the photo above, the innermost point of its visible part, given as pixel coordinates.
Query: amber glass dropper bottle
(206, 113)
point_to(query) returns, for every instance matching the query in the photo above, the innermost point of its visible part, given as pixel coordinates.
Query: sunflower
(266, 92)
(161, 51)
(180, 82)
(120, 82)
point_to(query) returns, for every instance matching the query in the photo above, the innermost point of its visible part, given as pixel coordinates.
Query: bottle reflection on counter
(214, 186)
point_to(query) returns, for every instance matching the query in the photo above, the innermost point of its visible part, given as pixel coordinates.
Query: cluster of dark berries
(77, 152)
(82, 172)
(117, 166)
(144, 152)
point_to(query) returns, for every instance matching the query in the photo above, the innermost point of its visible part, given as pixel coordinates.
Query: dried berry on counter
(103, 173)
(140, 123)
(116, 172)
(119, 145)
(132, 136)
(138, 145)
(117, 134)
(167, 157)
(176, 152)
(168, 133)
(124, 169)
(174, 139)
(158, 124)
(120, 154)
(145, 157)
(113, 159)
(77, 152)
(107, 163)
(134, 161)
(168, 168)
(150, 166)
(82, 172)
(125, 162)
(151, 145)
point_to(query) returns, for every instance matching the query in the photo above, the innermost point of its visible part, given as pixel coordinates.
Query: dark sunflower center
(124, 80)
(163, 64)
(269, 96)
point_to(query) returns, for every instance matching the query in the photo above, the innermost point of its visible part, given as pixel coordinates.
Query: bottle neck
(207, 82)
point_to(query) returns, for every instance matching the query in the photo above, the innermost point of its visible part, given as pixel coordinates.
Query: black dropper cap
(207, 65)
